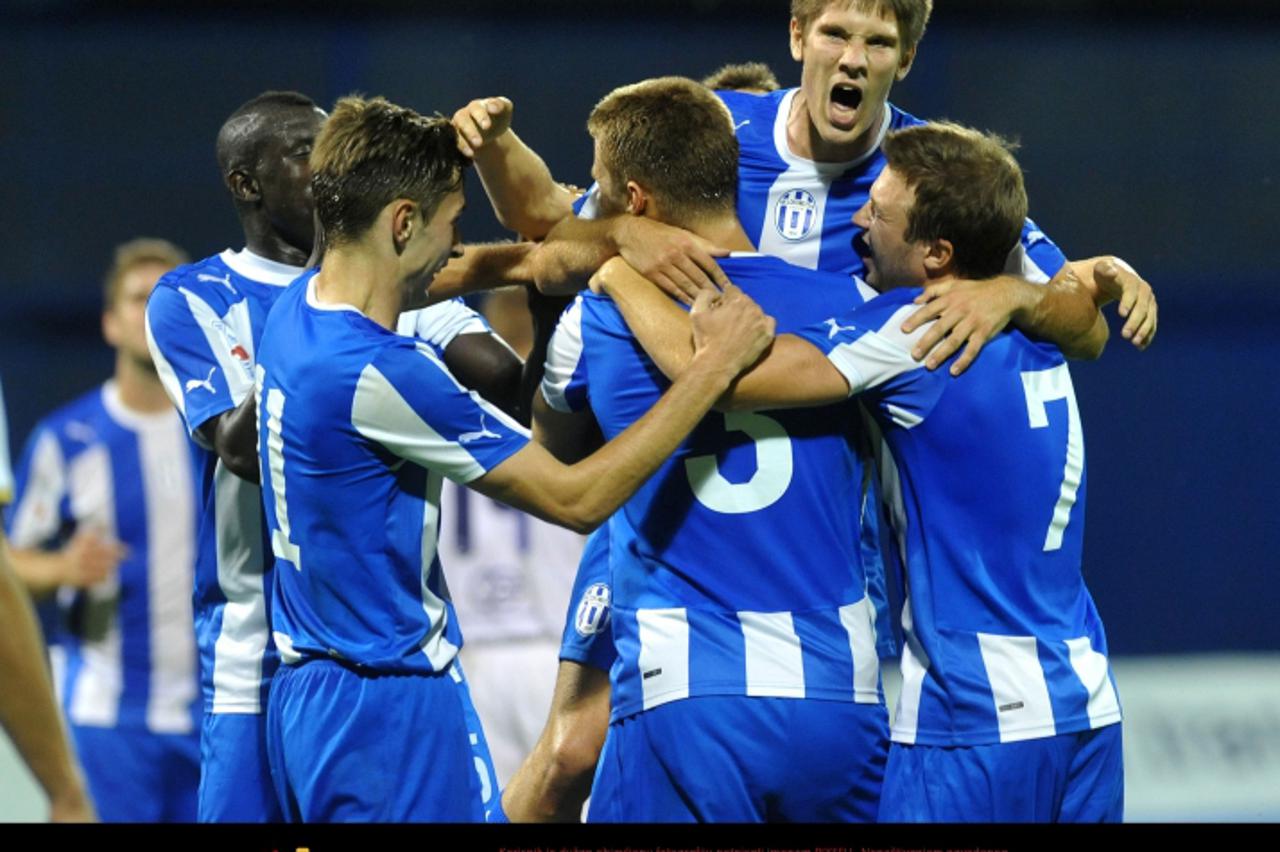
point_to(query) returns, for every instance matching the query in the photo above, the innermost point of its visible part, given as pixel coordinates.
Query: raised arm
(483, 267)
(1066, 312)
(524, 195)
(679, 262)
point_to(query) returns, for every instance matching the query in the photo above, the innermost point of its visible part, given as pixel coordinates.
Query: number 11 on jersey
(273, 408)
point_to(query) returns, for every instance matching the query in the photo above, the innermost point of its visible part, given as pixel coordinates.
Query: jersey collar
(246, 264)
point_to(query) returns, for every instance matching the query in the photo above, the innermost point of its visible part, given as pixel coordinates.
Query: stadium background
(1150, 132)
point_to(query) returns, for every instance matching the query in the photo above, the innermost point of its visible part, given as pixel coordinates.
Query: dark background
(1149, 132)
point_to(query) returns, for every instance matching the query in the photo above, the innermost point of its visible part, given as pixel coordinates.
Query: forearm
(792, 373)
(41, 571)
(1063, 312)
(234, 437)
(571, 253)
(525, 197)
(584, 495)
(483, 267)
(28, 711)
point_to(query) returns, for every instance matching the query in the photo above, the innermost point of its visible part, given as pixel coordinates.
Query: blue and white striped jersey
(129, 656)
(987, 488)
(6, 471)
(802, 211)
(204, 325)
(357, 427)
(712, 591)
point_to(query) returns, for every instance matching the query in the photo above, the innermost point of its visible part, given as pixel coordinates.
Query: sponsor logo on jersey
(240, 352)
(225, 281)
(593, 610)
(836, 327)
(468, 437)
(206, 382)
(795, 214)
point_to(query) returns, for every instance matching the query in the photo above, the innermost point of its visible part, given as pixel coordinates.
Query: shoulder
(74, 425)
(899, 118)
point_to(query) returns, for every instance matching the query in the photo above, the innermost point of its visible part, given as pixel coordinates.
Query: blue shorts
(353, 747)
(735, 758)
(139, 776)
(1075, 777)
(588, 637)
(235, 781)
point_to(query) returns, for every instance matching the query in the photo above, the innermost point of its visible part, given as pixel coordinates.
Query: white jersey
(509, 573)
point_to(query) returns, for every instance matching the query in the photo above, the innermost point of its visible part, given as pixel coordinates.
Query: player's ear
(110, 327)
(244, 186)
(637, 198)
(797, 41)
(938, 256)
(404, 220)
(904, 64)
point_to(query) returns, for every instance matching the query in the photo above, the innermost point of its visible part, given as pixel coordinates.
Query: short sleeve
(39, 495)
(408, 402)
(439, 324)
(564, 378)
(1035, 257)
(588, 637)
(201, 363)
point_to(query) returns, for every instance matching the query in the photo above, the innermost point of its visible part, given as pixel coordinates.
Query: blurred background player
(510, 575)
(115, 464)
(28, 711)
(1008, 712)
(204, 324)
(355, 403)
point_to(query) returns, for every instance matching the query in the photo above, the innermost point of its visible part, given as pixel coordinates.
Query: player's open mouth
(846, 96)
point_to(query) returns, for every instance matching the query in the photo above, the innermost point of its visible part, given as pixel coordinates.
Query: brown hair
(135, 253)
(968, 190)
(673, 137)
(742, 76)
(371, 152)
(911, 15)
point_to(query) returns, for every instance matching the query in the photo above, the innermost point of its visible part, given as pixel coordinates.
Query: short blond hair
(742, 76)
(139, 252)
(912, 15)
(675, 138)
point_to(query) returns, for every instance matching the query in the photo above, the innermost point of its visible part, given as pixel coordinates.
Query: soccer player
(117, 461)
(370, 718)
(761, 655)
(1008, 711)
(28, 710)
(204, 327)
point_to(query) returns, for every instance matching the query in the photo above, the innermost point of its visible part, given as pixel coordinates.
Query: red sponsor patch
(240, 352)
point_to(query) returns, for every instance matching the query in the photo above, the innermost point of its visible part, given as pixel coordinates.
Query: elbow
(245, 467)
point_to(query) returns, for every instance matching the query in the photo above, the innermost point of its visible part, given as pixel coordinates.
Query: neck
(264, 241)
(725, 231)
(360, 278)
(139, 386)
(804, 140)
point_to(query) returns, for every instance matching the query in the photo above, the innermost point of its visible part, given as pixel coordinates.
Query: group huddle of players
(856, 439)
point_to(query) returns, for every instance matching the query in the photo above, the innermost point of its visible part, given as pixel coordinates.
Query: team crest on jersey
(795, 214)
(593, 610)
